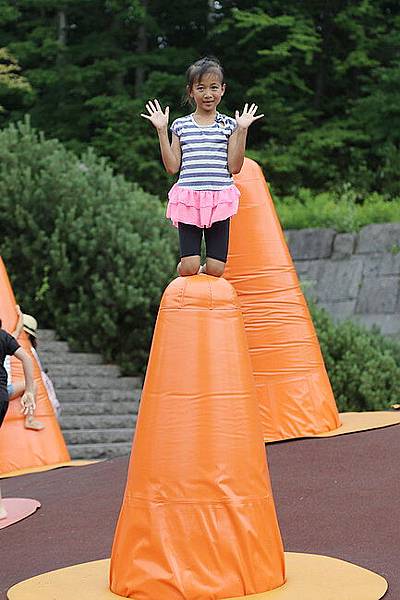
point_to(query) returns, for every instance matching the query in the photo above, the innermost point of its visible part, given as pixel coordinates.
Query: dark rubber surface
(337, 496)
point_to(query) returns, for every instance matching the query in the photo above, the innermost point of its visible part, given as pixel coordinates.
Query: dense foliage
(11, 80)
(90, 253)
(363, 366)
(340, 209)
(326, 74)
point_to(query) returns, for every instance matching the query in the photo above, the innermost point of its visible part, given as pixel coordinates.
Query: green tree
(93, 70)
(325, 73)
(90, 252)
(11, 80)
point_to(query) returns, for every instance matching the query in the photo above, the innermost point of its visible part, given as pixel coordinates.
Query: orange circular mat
(309, 577)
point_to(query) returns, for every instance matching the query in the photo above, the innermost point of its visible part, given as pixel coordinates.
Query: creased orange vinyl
(198, 518)
(21, 448)
(294, 391)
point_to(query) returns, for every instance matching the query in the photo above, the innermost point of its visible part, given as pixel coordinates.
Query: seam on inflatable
(247, 500)
(211, 295)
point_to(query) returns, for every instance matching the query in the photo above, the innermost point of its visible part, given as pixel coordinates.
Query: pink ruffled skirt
(201, 207)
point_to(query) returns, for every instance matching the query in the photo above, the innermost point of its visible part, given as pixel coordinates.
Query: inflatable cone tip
(250, 171)
(199, 291)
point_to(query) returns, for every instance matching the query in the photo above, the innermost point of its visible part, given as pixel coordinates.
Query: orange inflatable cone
(198, 518)
(22, 448)
(294, 392)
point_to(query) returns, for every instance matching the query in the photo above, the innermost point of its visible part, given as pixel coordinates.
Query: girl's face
(208, 91)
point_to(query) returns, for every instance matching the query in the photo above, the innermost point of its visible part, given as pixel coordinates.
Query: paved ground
(338, 496)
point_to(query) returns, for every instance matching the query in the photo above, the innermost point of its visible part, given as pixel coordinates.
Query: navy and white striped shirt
(204, 152)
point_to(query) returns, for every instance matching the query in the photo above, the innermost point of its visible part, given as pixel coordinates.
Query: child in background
(208, 147)
(10, 347)
(17, 388)
(29, 325)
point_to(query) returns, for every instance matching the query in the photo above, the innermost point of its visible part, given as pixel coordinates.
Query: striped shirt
(204, 152)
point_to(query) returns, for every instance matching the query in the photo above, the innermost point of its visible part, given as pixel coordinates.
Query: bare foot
(32, 423)
(3, 512)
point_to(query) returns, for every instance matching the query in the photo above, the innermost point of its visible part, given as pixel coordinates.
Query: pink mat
(18, 509)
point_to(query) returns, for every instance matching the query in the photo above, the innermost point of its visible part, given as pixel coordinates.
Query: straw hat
(30, 324)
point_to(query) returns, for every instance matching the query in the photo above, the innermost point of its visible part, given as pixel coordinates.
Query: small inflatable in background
(294, 391)
(22, 448)
(198, 517)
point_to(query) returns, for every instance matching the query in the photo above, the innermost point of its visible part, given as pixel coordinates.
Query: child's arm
(28, 398)
(170, 153)
(237, 141)
(20, 323)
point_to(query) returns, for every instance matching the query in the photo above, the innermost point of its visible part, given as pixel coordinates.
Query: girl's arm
(20, 323)
(237, 141)
(236, 148)
(171, 154)
(28, 398)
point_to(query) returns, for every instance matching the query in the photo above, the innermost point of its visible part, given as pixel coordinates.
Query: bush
(88, 252)
(363, 366)
(343, 210)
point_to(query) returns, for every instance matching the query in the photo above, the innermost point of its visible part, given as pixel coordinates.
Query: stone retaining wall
(352, 275)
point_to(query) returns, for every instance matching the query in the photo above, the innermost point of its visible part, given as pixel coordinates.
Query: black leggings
(216, 238)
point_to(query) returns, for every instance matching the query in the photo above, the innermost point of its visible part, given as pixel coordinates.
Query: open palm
(28, 403)
(156, 116)
(248, 116)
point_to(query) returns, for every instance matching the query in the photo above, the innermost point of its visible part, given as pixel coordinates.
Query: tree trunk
(62, 35)
(141, 48)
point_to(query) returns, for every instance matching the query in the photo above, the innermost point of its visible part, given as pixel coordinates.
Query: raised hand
(248, 116)
(156, 115)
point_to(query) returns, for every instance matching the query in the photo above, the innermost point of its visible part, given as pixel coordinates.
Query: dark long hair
(32, 340)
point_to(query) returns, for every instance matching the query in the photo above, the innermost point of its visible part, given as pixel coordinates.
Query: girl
(9, 346)
(208, 147)
(15, 389)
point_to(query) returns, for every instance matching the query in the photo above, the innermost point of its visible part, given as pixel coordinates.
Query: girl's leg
(190, 249)
(3, 411)
(217, 241)
(188, 265)
(213, 267)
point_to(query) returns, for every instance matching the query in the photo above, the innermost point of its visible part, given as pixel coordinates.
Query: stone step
(100, 450)
(53, 346)
(46, 335)
(98, 396)
(89, 422)
(72, 358)
(99, 408)
(98, 436)
(67, 370)
(83, 382)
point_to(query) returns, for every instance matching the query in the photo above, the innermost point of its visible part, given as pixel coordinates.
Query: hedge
(88, 252)
(344, 210)
(363, 365)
